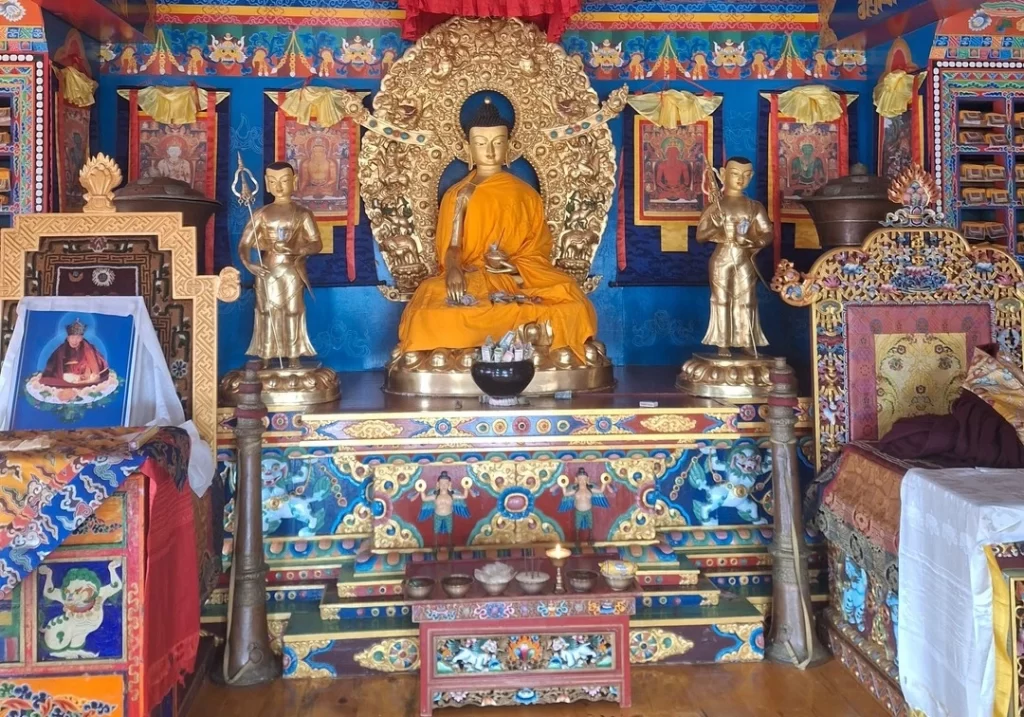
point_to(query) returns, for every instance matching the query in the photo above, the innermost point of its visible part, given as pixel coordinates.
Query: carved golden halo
(423, 94)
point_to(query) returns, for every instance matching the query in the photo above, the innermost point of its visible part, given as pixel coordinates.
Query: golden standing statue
(281, 235)
(740, 227)
(274, 247)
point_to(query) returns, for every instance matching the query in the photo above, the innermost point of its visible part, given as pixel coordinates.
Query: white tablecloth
(945, 638)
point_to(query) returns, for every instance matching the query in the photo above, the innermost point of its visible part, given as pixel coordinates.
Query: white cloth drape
(153, 399)
(945, 638)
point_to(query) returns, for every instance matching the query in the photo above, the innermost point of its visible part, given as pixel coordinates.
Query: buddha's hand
(455, 281)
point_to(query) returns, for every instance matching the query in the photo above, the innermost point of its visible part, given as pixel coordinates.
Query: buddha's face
(174, 151)
(280, 182)
(488, 146)
(737, 176)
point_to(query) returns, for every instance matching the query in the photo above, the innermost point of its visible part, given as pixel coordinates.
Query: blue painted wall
(355, 328)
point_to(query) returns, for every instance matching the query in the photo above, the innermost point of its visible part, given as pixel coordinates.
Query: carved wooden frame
(203, 291)
(911, 260)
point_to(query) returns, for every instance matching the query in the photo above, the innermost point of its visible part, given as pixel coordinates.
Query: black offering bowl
(502, 381)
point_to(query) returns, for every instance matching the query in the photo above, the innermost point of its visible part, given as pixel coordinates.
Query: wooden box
(997, 195)
(996, 139)
(975, 231)
(970, 118)
(996, 231)
(995, 119)
(972, 172)
(995, 172)
(973, 195)
(549, 648)
(972, 136)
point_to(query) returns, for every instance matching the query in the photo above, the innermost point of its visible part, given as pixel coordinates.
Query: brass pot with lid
(162, 194)
(846, 210)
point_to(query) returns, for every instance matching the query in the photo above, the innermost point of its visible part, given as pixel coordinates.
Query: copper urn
(162, 194)
(846, 210)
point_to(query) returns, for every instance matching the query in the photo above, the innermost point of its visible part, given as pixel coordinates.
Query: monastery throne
(895, 323)
(416, 132)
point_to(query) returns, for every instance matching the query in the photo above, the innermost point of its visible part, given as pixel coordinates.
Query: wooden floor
(753, 690)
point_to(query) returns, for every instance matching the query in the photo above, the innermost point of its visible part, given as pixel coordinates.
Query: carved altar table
(99, 585)
(519, 649)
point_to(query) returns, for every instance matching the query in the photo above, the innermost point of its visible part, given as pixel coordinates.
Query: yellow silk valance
(172, 105)
(894, 93)
(672, 108)
(76, 88)
(326, 105)
(811, 104)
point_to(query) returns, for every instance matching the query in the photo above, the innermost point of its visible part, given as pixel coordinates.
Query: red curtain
(549, 15)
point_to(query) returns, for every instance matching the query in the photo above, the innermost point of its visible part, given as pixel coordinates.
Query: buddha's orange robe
(506, 211)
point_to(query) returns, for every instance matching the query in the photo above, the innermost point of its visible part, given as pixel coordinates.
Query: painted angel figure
(444, 503)
(581, 497)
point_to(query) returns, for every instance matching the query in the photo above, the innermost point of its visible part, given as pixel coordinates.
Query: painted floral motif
(527, 696)
(509, 653)
(21, 700)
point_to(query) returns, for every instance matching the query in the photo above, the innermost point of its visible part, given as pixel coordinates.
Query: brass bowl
(618, 582)
(532, 581)
(582, 581)
(456, 586)
(418, 588)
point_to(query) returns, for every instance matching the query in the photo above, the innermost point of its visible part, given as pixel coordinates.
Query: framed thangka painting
(74, 370)
(73, 113)
(163, 147)
(669, 167)
(802, 156)
(326, 173)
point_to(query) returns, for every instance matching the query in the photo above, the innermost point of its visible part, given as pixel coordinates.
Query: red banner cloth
(172, 586)
(549, 15)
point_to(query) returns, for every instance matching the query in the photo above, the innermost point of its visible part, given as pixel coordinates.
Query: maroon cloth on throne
(973, 434)
(82, 360)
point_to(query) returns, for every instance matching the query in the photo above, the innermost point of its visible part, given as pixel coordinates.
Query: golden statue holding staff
(740, 227)
(282, 234)
(274, 246)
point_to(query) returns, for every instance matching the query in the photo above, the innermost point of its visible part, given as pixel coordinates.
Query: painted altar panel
(96, 695)
(184, 152)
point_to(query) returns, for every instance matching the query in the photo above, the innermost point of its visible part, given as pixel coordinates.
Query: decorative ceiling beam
(869, 23)
(99, 21)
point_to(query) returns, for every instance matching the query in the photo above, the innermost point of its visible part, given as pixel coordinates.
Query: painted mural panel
(78, 696)
(81, 610)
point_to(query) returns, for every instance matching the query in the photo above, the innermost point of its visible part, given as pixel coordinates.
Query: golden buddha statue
(274, 247)
(494, 248)
(740, 227)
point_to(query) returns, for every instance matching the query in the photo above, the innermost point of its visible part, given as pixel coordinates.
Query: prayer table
(519, 649)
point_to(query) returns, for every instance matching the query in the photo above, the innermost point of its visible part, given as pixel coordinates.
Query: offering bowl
(582, 581)
(494, 577)
(502, 381)
(618, 582)
(456, 586)
(418, 588)
(532, 581)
